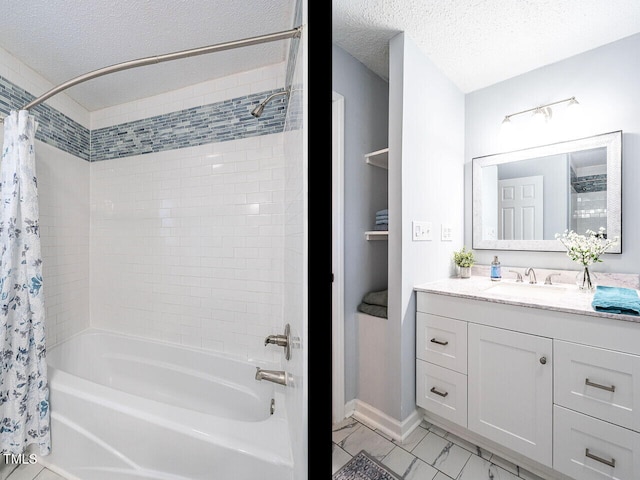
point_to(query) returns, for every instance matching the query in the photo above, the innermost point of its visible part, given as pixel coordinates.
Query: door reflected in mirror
(521, 199)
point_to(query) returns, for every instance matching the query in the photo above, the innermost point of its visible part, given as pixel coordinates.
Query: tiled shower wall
(63, 191)
(187, 243)
(187, 240)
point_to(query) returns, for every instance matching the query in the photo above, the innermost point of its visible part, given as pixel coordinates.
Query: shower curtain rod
(295, 32)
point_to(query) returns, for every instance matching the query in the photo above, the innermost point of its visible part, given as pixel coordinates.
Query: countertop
(562, 297)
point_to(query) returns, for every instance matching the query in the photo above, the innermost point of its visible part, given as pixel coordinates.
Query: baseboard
(380, 421)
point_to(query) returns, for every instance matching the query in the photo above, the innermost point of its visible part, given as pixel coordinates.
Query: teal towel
(616, 300)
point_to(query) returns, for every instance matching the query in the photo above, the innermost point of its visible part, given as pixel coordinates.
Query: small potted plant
(464, 261)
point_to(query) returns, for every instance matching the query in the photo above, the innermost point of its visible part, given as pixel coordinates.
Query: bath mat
(364, 467)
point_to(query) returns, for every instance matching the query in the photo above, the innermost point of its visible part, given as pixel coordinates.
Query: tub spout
(275, 376)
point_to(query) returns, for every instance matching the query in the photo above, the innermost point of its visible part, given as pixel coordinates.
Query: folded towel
(375, 310)
(383, 212)
(616, 300)
(384, 221)
(382, 227)
(376, 298)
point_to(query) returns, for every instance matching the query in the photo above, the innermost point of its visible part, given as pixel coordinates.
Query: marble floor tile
(413, 439)
(26, 471)
(363, 438)
(408, 466)
(480, 469)
(442, 476)
(47, 474)
(6, 469)
(442, 454)
(438, 431)
(468, 446)
(338, 458)
(343, 429)
(506, 464)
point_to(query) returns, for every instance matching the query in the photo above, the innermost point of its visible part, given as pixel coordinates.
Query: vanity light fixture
(541, 114)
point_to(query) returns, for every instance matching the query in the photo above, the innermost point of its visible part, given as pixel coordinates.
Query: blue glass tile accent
(54, 128)
(217, 122)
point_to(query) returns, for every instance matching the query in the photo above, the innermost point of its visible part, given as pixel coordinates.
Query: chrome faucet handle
(529, 272)
(547, 281)
(519, 275)
(281, 341)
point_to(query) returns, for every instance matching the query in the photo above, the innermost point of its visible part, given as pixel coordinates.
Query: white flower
(586, 249)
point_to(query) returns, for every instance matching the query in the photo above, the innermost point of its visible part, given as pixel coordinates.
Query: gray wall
(366, 110)
(605, 82)
(426, 158)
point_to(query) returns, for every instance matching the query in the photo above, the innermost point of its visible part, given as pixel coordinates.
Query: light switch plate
(421, 231)
(446, 234)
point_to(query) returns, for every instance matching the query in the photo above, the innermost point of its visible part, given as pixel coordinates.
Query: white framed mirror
(521, 199)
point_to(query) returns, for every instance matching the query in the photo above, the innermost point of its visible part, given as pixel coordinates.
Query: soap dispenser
(496, 271)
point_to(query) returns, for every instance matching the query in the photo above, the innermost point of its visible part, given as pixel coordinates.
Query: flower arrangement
(463, 258)
(586, 249)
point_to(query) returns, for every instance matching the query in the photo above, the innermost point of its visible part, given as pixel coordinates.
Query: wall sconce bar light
(544, 111)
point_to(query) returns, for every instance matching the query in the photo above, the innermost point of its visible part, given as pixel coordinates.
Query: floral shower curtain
(24, 389)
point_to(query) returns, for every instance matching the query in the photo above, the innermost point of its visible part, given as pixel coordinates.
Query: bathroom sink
(527, 290)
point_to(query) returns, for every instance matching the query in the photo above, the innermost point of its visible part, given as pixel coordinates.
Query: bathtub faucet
(275, 376)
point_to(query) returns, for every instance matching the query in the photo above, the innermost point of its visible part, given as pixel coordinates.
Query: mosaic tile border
(216, 122)
(54, 128)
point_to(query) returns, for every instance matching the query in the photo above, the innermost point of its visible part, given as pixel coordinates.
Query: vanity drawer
(599, 382)
(442, 391)
(442, 341)
(586, 448)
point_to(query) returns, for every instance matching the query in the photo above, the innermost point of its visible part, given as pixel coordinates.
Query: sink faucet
(275, 376)
(532, 278)
(547, 281)
(519, 276)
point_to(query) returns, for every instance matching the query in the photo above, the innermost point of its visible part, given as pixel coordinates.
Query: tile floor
(27, 471)
(430, 453)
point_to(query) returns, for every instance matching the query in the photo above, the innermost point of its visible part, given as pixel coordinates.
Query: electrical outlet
(446, 233)
(421, 231)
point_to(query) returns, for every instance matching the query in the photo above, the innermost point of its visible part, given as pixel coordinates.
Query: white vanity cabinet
(510, 385)
(555, 392)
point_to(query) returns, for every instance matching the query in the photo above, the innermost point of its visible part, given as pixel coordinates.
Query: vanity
(532, 373)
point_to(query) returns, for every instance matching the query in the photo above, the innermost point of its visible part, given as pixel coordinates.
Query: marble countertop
(561, 297)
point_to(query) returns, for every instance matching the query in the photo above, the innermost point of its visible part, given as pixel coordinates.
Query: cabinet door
(510, 390)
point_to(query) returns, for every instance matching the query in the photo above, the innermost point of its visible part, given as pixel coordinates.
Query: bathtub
(125, 408)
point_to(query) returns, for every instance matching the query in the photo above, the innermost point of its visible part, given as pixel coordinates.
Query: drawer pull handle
(611, 463)
(612, 388)
(446, 342)
(433, 390)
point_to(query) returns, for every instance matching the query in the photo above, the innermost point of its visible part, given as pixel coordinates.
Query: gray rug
(364, 467)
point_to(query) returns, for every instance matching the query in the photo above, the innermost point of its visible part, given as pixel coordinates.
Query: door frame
(337, 258)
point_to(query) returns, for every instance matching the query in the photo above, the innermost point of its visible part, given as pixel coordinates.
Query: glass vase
(586, 280)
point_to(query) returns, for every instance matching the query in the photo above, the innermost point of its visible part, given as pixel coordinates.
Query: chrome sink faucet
(532, 278)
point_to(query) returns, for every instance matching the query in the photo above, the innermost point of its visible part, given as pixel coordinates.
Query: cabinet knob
(543, 360)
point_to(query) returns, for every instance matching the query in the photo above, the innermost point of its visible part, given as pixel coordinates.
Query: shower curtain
(24, 389)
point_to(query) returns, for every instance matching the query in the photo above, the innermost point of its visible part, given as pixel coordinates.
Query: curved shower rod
(295, 32)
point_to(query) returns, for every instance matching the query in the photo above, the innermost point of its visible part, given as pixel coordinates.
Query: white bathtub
(124, 408)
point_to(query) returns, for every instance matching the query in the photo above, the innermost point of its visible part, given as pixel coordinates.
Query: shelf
(377, 235)
(379, 158)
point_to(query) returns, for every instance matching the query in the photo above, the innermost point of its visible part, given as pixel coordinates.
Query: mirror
(521, 199)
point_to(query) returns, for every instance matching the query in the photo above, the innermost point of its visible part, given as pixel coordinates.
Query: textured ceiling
(64, 39)
(477, 43)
